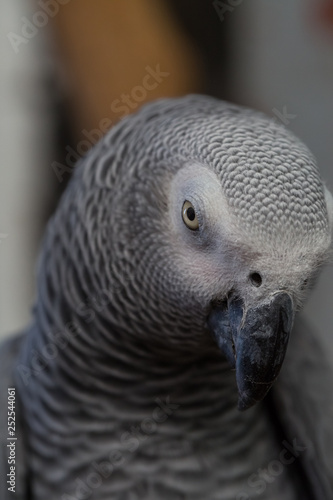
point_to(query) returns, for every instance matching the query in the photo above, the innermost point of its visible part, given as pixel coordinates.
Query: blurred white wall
(26, 153)
(283, 57)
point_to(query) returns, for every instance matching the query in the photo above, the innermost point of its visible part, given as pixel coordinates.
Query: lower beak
(254, 342)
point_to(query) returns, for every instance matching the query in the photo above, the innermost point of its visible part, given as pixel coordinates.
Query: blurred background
(70, 69)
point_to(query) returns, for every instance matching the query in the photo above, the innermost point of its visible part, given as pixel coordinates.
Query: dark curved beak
(254, 342)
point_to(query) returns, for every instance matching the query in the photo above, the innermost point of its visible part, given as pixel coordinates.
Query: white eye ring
(189, 216)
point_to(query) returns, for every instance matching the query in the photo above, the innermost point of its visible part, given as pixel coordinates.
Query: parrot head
(253, 223)
(235, 222)
(217, 223)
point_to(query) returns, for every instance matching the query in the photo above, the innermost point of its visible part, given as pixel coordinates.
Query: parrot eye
(189, 216)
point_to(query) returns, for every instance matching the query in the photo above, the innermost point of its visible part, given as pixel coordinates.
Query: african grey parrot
(168, 283)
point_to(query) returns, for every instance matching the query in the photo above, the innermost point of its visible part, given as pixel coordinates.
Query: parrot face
(250, 241)
(250, 309)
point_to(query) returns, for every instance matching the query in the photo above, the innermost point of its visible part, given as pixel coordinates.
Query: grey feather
(125, 393)
(304, 398)
(8, 354)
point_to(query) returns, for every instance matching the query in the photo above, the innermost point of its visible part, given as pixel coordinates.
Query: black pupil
(190, 213)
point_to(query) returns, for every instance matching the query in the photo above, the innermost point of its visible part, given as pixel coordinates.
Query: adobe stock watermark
(283, 116)
(122, 106)
(40, 359)
(223, 8)
(30, 28)
(128, 443)
(259, 480)
(60, 339)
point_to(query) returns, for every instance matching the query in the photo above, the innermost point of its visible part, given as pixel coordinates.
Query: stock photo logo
(123, 106)
(128, 443)
(263, 477)
(31, 27)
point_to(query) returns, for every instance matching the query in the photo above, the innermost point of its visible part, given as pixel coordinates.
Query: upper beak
(254, 341)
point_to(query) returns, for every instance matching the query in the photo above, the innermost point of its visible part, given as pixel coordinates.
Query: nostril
(256, 279)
